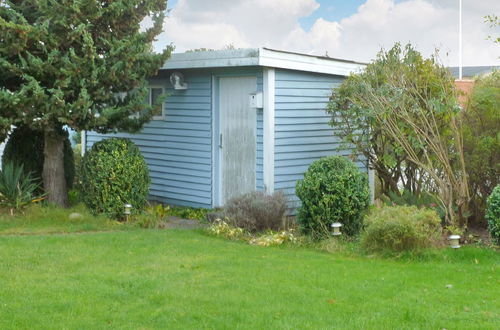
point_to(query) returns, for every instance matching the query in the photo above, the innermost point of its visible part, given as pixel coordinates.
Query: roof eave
(262, 57)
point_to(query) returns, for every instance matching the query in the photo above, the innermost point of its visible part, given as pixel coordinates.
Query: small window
(154, 93)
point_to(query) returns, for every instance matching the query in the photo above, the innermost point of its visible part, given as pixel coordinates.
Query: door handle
(220, 140)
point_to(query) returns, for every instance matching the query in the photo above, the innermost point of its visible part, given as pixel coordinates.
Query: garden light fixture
(128, 210)
(454, 241)
(336, 228)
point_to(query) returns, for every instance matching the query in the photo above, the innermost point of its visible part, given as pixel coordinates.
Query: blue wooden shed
(237, 121)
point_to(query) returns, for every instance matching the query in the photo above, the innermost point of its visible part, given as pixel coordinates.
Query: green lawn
(185, 279)
(39, 219)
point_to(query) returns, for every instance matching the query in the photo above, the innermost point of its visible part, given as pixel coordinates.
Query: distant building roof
(473, 71)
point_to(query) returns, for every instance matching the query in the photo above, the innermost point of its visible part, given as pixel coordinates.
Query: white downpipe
(268, 114)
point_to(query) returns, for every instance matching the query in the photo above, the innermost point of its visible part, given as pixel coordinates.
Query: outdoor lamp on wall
(336, 228)
(454, 241)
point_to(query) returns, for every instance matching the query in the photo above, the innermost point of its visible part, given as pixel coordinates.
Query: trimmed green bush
(333, 190)
(493, 214)
(114, 173)
(25, 146)
(401, 228)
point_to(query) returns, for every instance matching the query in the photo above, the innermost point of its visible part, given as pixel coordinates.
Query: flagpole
(460, 40)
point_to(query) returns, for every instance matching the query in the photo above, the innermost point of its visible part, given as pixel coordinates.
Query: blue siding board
(260, 138)
(302, 132)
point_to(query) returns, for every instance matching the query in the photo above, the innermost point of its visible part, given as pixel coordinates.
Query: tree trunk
(54, 181)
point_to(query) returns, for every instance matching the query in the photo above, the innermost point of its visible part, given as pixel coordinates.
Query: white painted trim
(302, 62)
(371, 184)
(264, 57)
(84, 142)
(157, 85)
(268, 118)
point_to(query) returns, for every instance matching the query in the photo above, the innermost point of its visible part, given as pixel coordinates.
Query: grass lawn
(185, 279)
(38, 219)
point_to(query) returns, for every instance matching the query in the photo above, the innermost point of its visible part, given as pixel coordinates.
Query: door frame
(216, 154)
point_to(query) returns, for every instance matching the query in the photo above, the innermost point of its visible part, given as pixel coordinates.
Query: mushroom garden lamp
(336, 228)
(128, 210)
(454, 241)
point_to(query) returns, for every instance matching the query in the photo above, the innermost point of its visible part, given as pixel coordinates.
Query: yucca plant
(17, 189)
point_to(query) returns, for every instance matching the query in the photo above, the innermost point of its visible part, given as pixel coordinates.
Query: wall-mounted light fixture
(177, 80)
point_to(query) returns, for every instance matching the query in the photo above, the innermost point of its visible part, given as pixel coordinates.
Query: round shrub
(493, 214)
(114, 173)
(401, 228)
(25, 146)
(333, 190)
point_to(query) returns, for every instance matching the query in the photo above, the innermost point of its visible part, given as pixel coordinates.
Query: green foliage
(406, 198)
(114, 173)
(396, 78)
(333, 190)
(222, 228)
(184, 212)
(25, 146)
(481, 136)
(153, 217)
(410, 103)
(256, 211)
(401, 228)
(493, 214)
(83, 64)
(147, 221)
(17, 189)
(493, 21)
(74, 196)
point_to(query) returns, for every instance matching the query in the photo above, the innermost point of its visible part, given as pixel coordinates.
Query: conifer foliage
(80, 63)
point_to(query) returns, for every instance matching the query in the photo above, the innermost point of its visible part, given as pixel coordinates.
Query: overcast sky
(349, 29)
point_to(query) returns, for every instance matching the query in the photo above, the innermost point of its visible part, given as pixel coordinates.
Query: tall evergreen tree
(80, 63)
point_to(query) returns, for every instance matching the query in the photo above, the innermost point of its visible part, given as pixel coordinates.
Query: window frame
(150, 99)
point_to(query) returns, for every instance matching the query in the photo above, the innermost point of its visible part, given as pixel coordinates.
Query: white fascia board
(262, 57)
(213, 59)
(301, 62)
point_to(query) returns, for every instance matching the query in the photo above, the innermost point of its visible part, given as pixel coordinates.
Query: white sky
(427, 24)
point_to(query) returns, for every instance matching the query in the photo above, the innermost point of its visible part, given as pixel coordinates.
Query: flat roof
(264, 57)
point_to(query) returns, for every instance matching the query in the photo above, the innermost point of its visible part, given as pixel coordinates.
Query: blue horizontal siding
(260, 138)
(178, 149)
(302, 132)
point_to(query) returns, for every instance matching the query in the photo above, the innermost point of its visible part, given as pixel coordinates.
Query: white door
(237, 140)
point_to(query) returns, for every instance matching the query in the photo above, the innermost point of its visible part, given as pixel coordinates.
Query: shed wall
(178, 149)
(302, 132)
